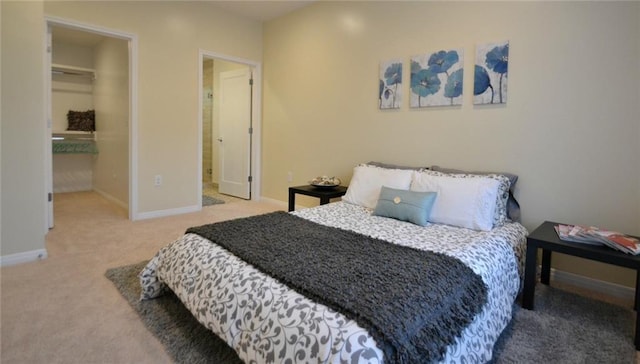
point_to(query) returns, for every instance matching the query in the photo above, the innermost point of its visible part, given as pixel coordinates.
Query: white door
(234, 137)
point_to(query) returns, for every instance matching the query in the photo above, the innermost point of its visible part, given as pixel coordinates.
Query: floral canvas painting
(436, 78)
(490, 74)
(390, 85)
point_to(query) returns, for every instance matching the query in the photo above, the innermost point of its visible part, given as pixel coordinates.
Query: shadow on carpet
(564, 328)
(208, 201)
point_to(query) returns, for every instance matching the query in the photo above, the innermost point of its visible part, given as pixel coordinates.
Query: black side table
(324, 194)
(546, 238)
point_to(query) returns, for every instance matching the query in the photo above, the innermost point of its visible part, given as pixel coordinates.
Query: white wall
(569, 130)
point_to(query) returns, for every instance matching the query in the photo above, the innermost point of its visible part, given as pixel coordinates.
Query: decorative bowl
(324, 182)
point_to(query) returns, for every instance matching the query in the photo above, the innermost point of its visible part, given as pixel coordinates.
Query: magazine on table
(595, 236)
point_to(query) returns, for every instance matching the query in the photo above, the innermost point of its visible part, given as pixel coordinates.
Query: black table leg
(637, 300)
(635, 306)
(637, 339)
(545, 272)
(529, 277)
(292, 200)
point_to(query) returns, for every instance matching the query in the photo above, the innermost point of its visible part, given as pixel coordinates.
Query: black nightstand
(546, 238)
(324, 194)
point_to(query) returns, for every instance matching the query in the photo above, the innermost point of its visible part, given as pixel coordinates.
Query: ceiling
(260, 10)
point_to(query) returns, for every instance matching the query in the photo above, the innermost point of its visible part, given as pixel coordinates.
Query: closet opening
(89, 96)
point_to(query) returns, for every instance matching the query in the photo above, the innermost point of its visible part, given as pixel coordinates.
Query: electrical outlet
(157, 180)
(289, 176)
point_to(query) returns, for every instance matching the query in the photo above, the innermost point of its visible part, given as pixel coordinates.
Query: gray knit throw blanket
(413, 303)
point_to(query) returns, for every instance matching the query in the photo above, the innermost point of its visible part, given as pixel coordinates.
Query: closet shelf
(72, 132)
(73, 70)
(73, 142)
(74, 147)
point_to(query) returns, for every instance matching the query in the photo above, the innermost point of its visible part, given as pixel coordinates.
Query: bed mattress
(266, 321)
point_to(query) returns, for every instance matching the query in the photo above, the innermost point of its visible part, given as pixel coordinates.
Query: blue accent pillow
(411, 206)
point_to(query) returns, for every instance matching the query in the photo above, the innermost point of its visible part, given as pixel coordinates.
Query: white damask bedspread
(266, 322)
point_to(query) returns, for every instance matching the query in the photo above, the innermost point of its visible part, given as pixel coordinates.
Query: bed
(266, 316)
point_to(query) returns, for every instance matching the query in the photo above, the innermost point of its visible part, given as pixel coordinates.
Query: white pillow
(463, 202)
(365, 185)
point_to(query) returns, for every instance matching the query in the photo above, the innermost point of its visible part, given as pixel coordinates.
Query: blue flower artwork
(390, 85)
(436, 78)
(490, 74)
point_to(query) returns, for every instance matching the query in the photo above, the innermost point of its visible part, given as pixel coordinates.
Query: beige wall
(23, 133)
(207, 120)
(71, 172)
(71, 54)
(111, 96)
(169, 35)
(169, 39)
(70, 92)
(1, 160)
(570, 128)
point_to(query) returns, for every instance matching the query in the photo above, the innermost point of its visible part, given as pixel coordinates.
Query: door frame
(132, 39)
(255, 148)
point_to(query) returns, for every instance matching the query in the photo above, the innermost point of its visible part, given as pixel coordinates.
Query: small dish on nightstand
(324, 182)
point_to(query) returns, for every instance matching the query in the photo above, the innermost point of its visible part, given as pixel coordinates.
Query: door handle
(220, 140)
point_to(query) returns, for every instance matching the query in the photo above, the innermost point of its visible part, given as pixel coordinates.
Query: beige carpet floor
(64, 310)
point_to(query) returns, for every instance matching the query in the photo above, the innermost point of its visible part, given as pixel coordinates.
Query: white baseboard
(24, 257)
(111, 198)
(188, 209)
(167, 212)
(595, 285)
(273, 201)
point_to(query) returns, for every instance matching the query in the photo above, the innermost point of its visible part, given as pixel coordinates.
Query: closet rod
(56, 72)
(58, 69)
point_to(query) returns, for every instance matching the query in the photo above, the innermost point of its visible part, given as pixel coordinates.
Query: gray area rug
(208, 201)
(564, 328)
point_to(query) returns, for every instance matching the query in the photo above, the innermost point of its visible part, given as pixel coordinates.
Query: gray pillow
(394, 166)
(513, 207)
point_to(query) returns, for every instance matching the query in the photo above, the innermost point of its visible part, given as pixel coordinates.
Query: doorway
(229, 94)
(90, 113)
